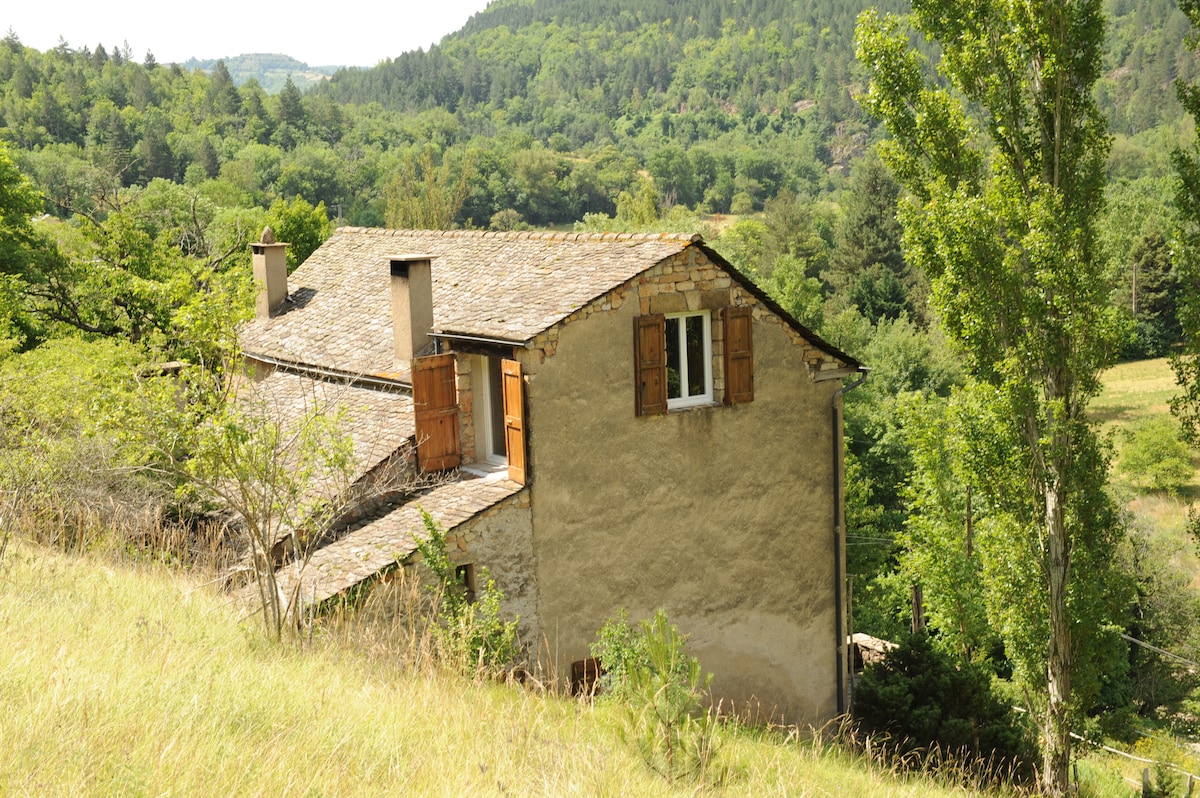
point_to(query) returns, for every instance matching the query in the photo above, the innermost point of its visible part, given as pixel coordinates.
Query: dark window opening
(585, 677)
(465, 576)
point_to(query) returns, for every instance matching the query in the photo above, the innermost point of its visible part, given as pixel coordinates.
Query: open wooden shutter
(514, 418)
(739, 355)
(435, 406)
(650, 364)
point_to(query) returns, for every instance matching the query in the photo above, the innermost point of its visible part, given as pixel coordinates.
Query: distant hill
(271, 70)
(556, 56)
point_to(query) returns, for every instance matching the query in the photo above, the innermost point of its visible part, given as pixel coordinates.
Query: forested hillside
(270, 70)
(130, 190)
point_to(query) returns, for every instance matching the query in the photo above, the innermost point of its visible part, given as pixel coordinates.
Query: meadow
(121, 679)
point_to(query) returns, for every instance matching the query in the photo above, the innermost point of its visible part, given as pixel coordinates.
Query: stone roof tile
(377, 422)
(380, 543)
(509, 286)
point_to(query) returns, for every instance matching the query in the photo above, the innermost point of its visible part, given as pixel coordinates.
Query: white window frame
(680, 330)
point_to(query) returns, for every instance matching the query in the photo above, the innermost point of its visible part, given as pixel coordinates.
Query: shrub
(1155, 458)
(472, 635)
(663, 691)
(921, 699)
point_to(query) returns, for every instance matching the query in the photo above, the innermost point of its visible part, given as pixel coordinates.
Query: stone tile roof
(508, 286)
(377, 422)
(379, 543)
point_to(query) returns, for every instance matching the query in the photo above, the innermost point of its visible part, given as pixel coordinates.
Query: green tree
(1186, 405)
(303, 226)
(1148, 292)
(19, 200)
(426, 195)
(866, 265)
(920, 697)
(1007, 238)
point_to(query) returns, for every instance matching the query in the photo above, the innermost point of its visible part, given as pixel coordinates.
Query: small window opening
(585, 677)
(465, 576)
(689, 359)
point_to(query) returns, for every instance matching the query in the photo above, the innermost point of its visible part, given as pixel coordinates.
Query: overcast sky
(319, 34)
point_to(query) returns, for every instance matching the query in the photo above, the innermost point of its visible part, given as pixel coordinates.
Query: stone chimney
(270, 274)
(412, 304)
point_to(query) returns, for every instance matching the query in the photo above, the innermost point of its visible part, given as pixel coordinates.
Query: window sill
(487, 471)
(697, 406)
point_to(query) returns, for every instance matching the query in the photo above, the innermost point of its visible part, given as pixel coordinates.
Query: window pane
(695, 355)
(673, 358)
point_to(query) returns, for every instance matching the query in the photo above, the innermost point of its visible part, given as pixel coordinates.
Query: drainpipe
(839, 522)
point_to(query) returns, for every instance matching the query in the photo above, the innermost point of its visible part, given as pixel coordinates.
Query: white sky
(345, 33)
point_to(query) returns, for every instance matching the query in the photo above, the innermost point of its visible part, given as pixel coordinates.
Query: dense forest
(129, 191)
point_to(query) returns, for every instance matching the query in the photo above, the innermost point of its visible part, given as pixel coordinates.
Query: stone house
(626, 421)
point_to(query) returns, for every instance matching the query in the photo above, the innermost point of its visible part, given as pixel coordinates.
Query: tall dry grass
(123, 680)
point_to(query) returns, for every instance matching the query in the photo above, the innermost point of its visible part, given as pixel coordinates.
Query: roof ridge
(521, 235)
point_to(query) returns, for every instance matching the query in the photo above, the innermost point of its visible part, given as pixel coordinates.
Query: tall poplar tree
(1186, 406)
(1001, 217)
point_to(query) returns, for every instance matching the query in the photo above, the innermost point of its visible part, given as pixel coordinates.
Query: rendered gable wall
(721, 515)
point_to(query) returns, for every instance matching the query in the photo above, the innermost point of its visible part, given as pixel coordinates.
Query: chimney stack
(412, 304)
(270, 273)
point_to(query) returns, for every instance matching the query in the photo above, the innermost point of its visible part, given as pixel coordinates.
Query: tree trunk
(1060, 659)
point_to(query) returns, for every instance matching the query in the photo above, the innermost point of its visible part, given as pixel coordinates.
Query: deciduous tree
(1002, 220)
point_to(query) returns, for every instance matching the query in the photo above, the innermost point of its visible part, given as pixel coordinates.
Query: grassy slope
(1136, 392)
(117, 681)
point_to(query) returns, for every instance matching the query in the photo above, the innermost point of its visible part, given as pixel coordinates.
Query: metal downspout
(839, 521)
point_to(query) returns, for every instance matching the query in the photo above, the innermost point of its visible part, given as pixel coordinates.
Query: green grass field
(1134, 392)
(123, 681)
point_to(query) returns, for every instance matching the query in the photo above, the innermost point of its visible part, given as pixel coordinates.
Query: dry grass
(129, 680)
(1134, 392)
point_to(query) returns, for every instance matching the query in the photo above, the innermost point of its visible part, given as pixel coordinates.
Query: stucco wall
(721, 515)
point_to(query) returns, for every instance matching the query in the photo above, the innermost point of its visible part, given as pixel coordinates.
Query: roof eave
(752, 288)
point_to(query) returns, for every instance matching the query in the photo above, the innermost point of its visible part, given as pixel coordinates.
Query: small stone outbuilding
(625, 422)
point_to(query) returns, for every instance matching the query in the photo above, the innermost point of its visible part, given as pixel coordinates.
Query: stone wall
(501, 539)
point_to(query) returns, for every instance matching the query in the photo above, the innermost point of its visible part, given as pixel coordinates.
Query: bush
(472, 635)
(921, 699)
(1154, 457)
(663, 692)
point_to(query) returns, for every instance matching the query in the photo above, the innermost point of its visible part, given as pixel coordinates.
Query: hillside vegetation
(270, 70)
(130, 192)
(119, 680)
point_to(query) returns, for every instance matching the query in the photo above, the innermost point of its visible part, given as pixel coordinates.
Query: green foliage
(938, 546)
(911, 368)
(663, 692)
(621, 649)
(302, 225)
(1005, 197)
(1154, 458)
(66, 460)
(1147, 292)
(919, 698)
(1165, 614)
(1186, 406)
(866, 266)
(425, 195)
(474, 637)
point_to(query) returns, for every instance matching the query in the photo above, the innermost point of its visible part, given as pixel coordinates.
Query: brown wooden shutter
(435, 407)
(514, 418)
(650, 364)
(739, 355)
